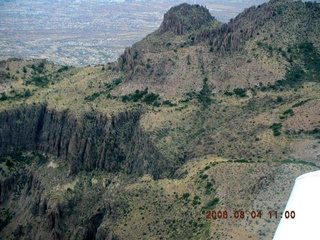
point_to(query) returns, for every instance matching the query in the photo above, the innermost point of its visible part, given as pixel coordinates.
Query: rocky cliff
(185, 18)
(29, 196)
(113, 145)
(95, 141)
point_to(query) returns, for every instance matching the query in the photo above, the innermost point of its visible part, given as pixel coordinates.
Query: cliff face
(116, 145)
(38, 198)
(96, 141)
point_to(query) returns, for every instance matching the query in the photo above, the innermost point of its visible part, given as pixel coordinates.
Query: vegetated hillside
(260, 46)
(190, 121)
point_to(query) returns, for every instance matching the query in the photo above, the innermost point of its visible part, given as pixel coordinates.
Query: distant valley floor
(87, 32)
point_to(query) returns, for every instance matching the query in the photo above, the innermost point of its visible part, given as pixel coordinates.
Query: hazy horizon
(88, 32)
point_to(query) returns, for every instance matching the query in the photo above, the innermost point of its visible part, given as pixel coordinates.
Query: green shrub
(276, 127)
(212, 203)
(62, 69)
(279, 99)
(157, 104)
(9, 163)
(228, 93)
(207, 167)
(204, 95)
(125, 98)
(3, 96)
(92, 97)
(38, 68)
(138, 95)
(205, 176)
(117, 81)
(40, 81)
(150, 98)
(185, 195)
(169, 103)
(241, 161)
(241, 92)
(208, 185)
(288, 112)
(294, 76)
(27, 93)
(311, 59)
(300, 103)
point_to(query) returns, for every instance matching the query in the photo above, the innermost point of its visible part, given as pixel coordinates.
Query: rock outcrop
(231, 37)
(180, 20)
(95, 141)
(185, 18)
(129, 59)
(115, 144)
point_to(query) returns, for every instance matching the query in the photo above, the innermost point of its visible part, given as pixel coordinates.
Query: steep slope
(191, 121)
(260, 46)
(93, 142)
(185, 19)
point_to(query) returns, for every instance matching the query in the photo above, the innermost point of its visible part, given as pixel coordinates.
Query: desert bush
(241, 92)
(204, 95)
(150, 98)
(92, 97)
(185, 196)
(169, 103)
(276, 127)
(3, 96)
(117, 81)
(279, 99)
(227, 93)
(300, 103)
(40, 81)
(212, 203)
(62, 69)
(288, 112)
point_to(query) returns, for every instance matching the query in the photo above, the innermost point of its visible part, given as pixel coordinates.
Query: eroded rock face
(116, 145)
(129, 59)
(180, 20)
(95, 141)
(185, 18)
(35, 210)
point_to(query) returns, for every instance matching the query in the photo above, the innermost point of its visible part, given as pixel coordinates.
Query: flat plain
(81, 33)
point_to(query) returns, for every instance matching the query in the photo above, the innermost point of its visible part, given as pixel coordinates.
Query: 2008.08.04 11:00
(223, 214)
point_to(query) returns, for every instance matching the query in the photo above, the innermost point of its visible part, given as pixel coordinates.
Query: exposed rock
(96, 141)
(179, 20)
(185, 18)
(127, 60)
(232, 36)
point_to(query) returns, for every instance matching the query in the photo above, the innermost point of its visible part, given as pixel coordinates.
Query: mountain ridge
(156, 144)
(244, 36)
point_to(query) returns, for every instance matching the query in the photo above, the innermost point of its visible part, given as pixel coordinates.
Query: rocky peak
(185, 18)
